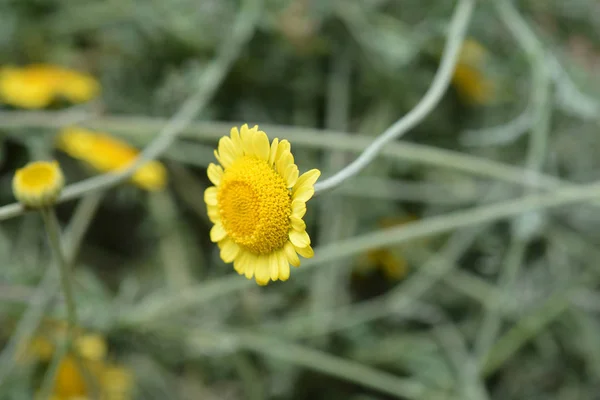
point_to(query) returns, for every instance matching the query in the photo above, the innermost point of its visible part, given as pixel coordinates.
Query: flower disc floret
(255, 205)
(38, 184)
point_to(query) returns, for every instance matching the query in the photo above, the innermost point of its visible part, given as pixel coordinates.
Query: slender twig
(335, 220)
(171, 246)
(536, 154)
(80, 221)
(49, 381)
(53, 232)
(161, 305)
(503, 134)
(48, 287)
(209, 82)
(457, 31)
(316, 360)
(398, 301)
(136, 128)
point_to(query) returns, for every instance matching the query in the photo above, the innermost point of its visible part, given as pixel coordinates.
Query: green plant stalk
(53, 232)
(48, 382)
(49, 286)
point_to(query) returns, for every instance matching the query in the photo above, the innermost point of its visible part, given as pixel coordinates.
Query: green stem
(49, 382)
(53, 231)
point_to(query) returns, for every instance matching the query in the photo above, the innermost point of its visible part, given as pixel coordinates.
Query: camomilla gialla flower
(257, 205)
(38, 85)
(38, 184)
(114, 382)
(107, 154)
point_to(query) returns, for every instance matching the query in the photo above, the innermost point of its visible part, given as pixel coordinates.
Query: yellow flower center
(38, 175)
(255, 205)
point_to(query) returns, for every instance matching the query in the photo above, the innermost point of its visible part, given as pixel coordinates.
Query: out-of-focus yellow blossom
(113, 381)
(297, 26)
(38, 184)
(38, 85)
(469, 78)
(105, 154)
(390, 262)
(91, 346)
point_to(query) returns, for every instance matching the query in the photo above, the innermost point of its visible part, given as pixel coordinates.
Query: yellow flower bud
(38, 184)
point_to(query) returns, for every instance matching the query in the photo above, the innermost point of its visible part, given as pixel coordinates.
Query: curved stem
(456, 34)
(158, 306)
(210, 81)
(53, 232)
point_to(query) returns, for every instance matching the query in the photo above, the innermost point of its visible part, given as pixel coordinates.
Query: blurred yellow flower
(106, 154)
(392, 266)
(114, 382)
(91, 346)
(38, 184)
(38, 85)
(389, 261)
(469, 78)
(257, 205)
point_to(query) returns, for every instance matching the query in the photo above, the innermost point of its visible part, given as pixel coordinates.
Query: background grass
(496, 299)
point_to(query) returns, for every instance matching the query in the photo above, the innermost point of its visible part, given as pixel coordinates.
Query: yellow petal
(291, 175)
(251, 264)
(299, 238)
(262, 272)
(284, 147)
(237, 142)
(306, 252)
(297, 223)
(246, 136)
(215, 173)
(290, 254)
(284, 161)
(306, 180)
(298, 208)
(210, 196)
(217, 233)
(274, 266)
(240, 263)
(304, 194)
(284, 265)
(229, 250)
(223, 161)
(213, 214)
(273, 151)
(261, 145)
(226, 151)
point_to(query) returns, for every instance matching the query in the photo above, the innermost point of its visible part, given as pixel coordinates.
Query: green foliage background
(487, 310)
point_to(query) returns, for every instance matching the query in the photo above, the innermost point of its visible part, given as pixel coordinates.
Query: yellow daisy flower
(257, 205)
(38, 184)
(107, 154)
(37, 85)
